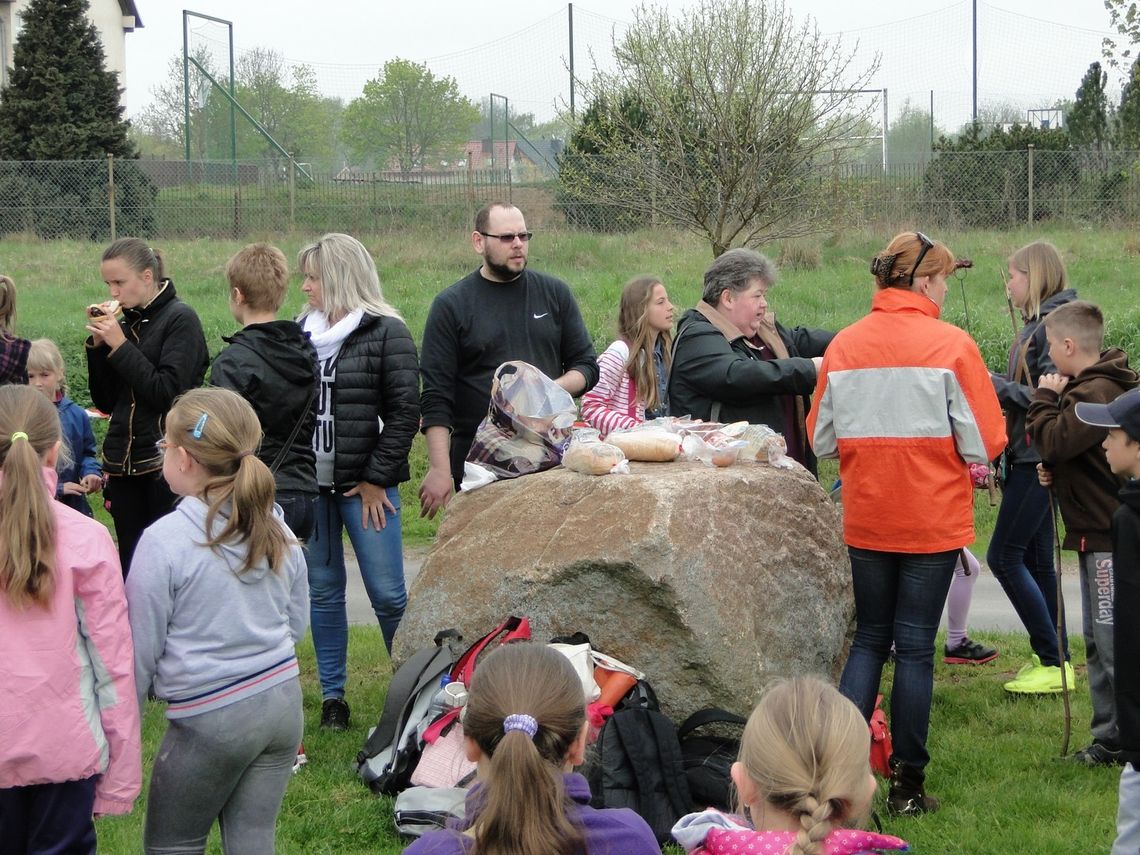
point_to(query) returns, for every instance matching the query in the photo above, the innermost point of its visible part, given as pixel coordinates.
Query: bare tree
(726, 120)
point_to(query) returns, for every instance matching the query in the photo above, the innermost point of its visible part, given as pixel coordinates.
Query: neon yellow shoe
(1041, 680)
(1034, 662)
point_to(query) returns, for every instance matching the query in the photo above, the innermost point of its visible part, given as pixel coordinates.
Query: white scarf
(327, 340)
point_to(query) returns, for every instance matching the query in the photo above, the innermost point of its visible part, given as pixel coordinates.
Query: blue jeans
(898, 597)
(1021, 558)
(380, 555)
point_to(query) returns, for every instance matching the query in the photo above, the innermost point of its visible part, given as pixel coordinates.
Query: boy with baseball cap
(1122, 448)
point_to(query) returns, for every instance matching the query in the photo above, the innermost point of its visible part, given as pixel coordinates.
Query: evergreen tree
(60, 117)
(61, 103)
(1088, 120)
(1129, 115)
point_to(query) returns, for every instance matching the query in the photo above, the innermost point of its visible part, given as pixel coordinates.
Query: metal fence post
(1030, 184)
(292, 194)
(111, 191)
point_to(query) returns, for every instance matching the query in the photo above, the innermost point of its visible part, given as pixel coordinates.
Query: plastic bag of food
(763, 444)
(653, 444)
(527, 425)
(714, 453)
(587, 454)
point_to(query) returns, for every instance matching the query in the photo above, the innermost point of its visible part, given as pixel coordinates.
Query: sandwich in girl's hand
(111, 309)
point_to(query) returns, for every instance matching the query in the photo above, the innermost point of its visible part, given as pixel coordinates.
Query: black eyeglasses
(510, 238)
(927, 245)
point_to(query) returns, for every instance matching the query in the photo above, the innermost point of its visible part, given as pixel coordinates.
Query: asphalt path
(990, 609)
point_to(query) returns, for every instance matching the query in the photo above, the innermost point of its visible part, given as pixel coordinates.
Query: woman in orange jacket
(905, 402)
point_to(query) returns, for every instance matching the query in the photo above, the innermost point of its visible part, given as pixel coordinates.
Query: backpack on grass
(708, 756)
(389, 754)
(394, 747)
(637, 763)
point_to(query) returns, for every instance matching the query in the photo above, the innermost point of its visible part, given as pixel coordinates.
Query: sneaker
(1097, 754)
(334, 714)
(1041, 680)
(1034, 662)
(300, 760)
(970, 652)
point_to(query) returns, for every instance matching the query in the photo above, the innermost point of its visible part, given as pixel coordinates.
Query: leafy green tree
(1124, 16)
(408, 114)
(60, 116)
(1088, 118)
(746, 112)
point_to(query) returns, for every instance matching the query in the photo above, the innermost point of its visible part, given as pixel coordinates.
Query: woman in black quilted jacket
(368, 412)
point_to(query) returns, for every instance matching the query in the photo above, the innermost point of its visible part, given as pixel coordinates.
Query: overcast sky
(1030, 51)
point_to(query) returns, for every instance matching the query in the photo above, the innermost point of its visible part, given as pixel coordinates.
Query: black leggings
(135, 502)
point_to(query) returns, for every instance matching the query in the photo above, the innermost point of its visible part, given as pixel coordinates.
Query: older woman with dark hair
(905, 402)
(733, 362)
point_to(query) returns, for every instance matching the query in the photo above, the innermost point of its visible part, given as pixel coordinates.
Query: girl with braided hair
(802, 774)
(525, 726)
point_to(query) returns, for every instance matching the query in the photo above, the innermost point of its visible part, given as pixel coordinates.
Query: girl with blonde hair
(1020, 554)
(368, 413)
(218, 600)
(802, 776)
(70, 745)
(79, 471)
(525, 726)
(634, 370)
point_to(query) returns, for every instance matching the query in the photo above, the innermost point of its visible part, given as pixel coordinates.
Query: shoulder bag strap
(280, 458)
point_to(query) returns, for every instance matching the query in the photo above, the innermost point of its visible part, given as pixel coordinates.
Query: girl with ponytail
(69, 742)
(802, 774)
(218, 598)
(525, 726)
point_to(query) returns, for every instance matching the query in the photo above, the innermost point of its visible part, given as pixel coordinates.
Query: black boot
(906, 797)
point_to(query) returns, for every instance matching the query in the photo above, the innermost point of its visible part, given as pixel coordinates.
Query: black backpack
(708, 756)
(636, 763)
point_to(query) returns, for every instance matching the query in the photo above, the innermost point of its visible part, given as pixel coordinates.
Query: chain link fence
(95, 200)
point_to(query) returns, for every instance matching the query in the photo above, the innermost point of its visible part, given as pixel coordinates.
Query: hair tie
(17, 435)
(244, 454)
(520, 721)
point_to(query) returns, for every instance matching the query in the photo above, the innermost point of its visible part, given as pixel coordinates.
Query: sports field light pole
(975, 4)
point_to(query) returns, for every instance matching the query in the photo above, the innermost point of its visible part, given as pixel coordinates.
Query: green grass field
(994, 756)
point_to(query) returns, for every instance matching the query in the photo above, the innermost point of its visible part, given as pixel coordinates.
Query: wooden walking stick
(1060, 618)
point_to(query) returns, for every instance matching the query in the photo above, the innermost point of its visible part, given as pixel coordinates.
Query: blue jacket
(82, 452)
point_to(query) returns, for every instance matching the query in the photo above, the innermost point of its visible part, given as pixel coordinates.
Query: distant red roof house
(477, 153)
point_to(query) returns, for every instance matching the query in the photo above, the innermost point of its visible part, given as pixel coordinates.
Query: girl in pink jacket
(69, 718)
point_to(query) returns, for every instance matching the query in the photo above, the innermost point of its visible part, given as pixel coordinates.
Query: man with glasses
(498, 313)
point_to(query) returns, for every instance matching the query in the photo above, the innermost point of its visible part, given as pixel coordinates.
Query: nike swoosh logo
(543, 315)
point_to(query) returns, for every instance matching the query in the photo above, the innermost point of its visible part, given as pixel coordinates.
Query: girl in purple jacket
(525, 726)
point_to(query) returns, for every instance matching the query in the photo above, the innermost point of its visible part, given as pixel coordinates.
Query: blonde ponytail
(29, 430)
(221, 431)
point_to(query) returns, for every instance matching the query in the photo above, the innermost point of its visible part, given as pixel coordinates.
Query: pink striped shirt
(612, 404)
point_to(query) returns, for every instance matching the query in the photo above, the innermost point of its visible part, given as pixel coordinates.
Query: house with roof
(527, 160)
(113, 19)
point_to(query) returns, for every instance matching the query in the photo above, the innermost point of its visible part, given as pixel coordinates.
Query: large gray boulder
(711, 581)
